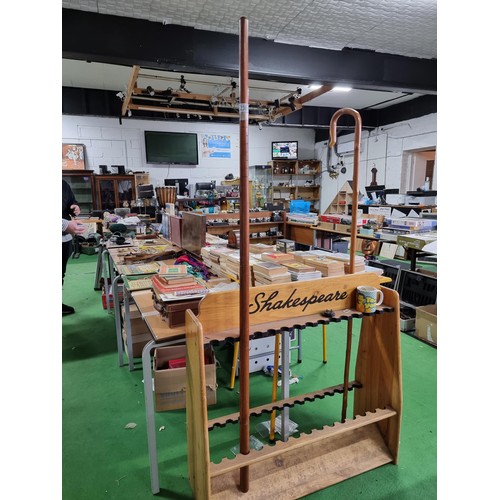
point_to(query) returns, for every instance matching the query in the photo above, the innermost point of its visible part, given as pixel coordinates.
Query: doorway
(420, 166)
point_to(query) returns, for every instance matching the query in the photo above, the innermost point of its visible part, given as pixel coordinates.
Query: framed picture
(73, 156)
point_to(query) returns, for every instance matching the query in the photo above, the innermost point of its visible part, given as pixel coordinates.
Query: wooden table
(416, 244)
(112, 258)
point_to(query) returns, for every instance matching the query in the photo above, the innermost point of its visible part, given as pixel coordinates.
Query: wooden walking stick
(244, 259)
(354, 227)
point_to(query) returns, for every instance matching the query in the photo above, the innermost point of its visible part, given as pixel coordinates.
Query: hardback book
(131, 269)
(160, 287)
(140, 283)
(177, 280)
(173, 270)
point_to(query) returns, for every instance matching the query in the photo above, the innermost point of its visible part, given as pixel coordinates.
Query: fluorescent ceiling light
(341, 88)
(315, 86)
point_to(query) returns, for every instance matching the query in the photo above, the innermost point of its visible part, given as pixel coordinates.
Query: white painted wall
(386, 148)
(109, 143)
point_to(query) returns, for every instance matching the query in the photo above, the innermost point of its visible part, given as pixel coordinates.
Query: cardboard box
(170, 383)
(332, 218)
(326, 225)
(111, 301)
(138, 343)
(137, 325)
(426, 323)
(344, 228)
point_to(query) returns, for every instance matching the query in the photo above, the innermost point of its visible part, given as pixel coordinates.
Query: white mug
(366, 298)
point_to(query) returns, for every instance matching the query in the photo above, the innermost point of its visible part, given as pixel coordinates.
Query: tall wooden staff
(354, 227)
(244, 258)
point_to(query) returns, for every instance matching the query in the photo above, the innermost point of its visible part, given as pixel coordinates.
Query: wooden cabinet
(140, 178)
(288, 180)
(265, 226)
(113, 191)
(82, 185)
(228, 198)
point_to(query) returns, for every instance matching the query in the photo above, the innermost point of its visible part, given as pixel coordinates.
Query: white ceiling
(401, 27)
(112, 77)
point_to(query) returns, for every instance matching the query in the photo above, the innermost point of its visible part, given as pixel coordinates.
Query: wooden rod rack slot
(234, 418)
(282, 447)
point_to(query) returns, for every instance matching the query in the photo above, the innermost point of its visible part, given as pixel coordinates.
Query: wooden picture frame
(73, 157)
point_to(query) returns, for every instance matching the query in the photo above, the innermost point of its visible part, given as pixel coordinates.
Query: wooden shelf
(255, 227)
(341, 202)
(293, 171)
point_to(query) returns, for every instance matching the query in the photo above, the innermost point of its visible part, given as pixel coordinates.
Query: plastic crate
(416, 289)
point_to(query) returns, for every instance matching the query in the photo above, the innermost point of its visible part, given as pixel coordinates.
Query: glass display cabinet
(114, 191)
(83, 187)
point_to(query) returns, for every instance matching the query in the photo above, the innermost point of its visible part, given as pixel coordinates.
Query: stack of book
(215, 257)
(359, 267)
(213, 240)
(223, 263)
(301, 255)
(205, 255)
(172, 296)
(232, 265)
(277, 257)
(359, 261)
(166, 288)
(328, 267)
(302, 272)
(267, 273)
(260, 248)
(173, 270)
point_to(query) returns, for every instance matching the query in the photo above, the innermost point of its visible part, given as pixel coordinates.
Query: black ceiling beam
(126, 41)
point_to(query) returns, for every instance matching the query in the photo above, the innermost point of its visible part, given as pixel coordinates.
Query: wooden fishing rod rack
(299, 466)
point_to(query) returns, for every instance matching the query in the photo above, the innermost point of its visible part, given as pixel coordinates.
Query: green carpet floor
(101, 459)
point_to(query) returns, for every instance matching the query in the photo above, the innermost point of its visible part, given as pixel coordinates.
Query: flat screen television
(285, 150)
(173, 148)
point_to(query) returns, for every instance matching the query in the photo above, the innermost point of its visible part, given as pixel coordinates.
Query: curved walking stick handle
(355, 176)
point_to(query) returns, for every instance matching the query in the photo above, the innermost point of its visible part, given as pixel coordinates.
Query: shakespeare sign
(219, 311)
(271, 301)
